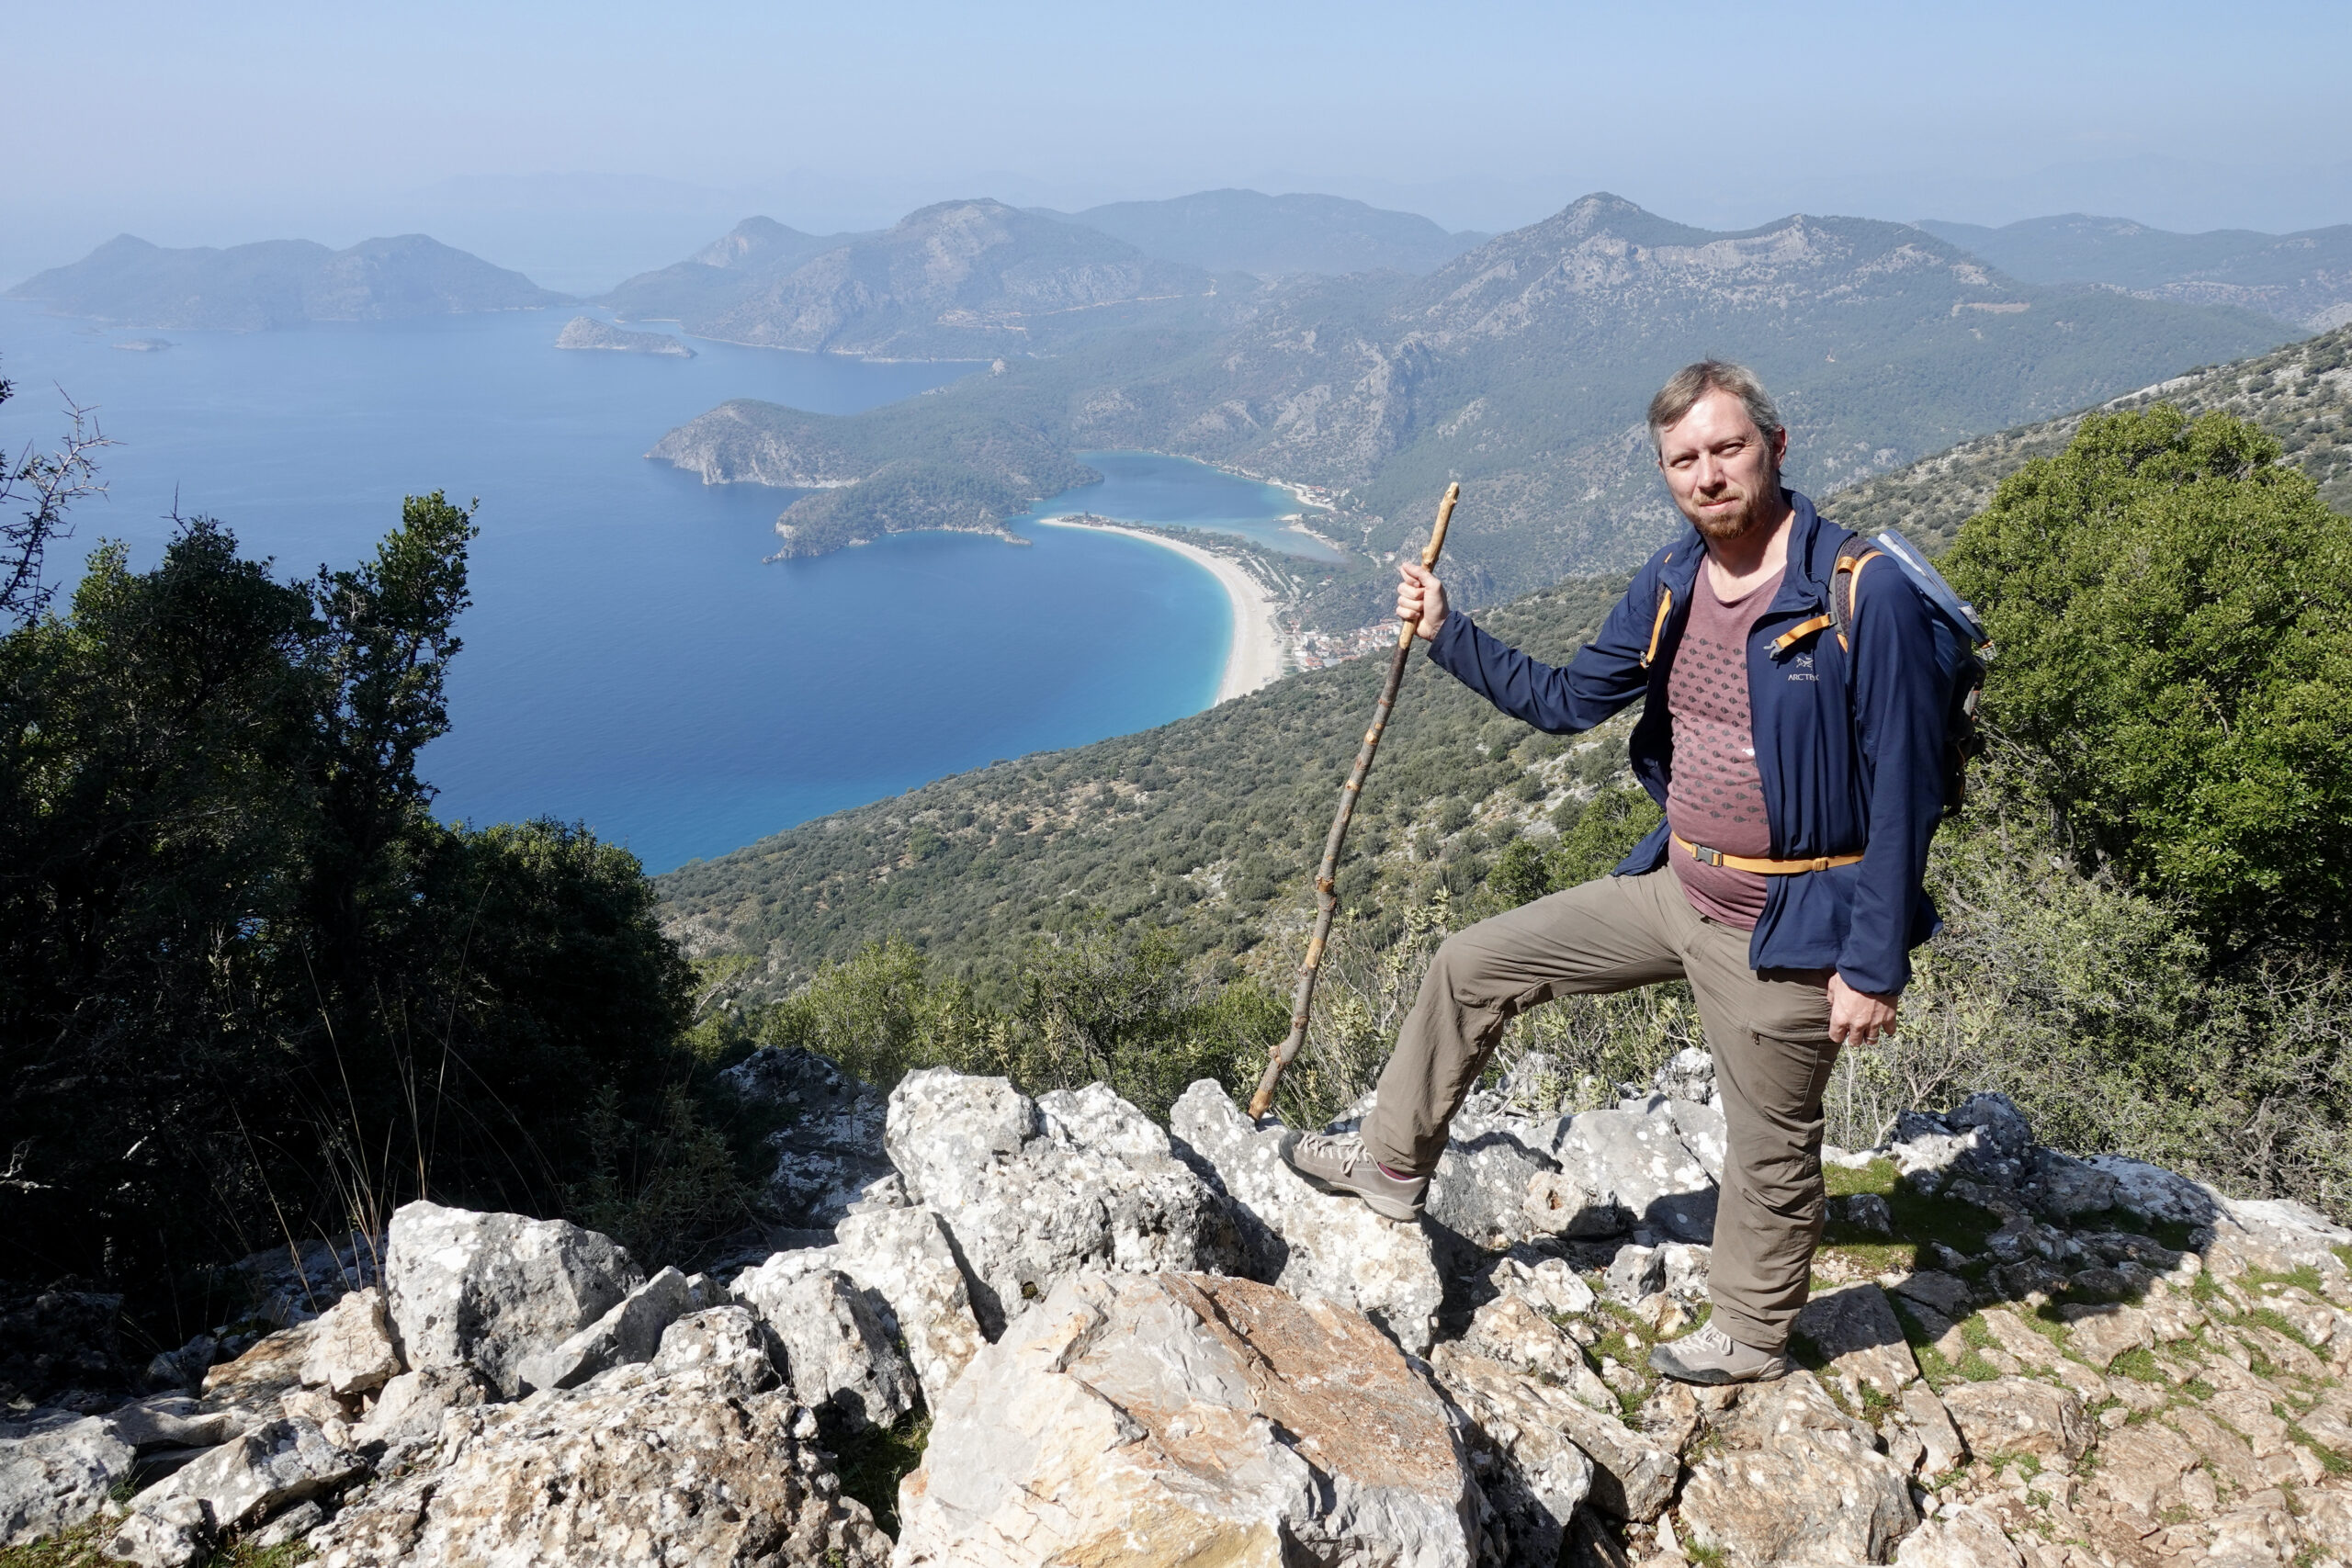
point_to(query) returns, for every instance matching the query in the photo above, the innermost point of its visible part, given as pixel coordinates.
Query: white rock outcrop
(838, 1357)
(1309, 1242)
(693, 1460)
(486, 1290)
(57, 1473)
(630, 1332)
(1036, 1192)
(1189, 1418)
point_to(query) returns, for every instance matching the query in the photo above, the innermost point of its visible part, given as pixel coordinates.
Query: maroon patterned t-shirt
(1716, 795)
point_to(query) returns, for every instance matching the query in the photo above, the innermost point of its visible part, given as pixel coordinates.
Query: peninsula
(587, 331)
(1256, 656)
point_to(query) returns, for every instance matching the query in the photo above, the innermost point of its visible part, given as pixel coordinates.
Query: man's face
(1724, 476)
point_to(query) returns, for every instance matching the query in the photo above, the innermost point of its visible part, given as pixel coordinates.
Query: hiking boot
(1712, 1356)
(1337, 1163)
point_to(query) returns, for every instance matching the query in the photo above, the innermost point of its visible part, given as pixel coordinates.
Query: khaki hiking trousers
(1769, 1031)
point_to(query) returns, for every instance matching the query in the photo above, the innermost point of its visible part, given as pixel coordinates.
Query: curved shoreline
(1255, 656)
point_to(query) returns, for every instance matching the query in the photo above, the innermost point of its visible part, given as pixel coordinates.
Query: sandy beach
(1255, 656)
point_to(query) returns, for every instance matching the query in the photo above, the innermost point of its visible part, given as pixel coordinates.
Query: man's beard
(1723, 529)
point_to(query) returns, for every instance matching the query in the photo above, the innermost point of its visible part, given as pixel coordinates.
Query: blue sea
(631, 659)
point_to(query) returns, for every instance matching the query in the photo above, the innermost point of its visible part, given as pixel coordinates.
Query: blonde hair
(1687, 385)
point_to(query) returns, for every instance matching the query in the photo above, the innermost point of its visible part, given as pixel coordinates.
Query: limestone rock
(408, 1412)
(1481, 1188)
(1640, 1157)
(487, 1289)
(1557, 1204)
(1968, 1538)
(1307, 1242)
(2140, 1468)
(1633, 1474)
(1938, 1436)
(1947, 1294)
(2061, 1187)
(1634, 1274)
(55, 1473)
(2154, 1193)
(240, 1483)
(630, 1332)
(691, 1459)
(1797, 1479)
(2020, 1416)
(902, 1256)
(1533, 1475)
(173, 1421)
(1704, 1133)
(254, 1382)
(2101, 1333)
(351, 1352)
(294, 1285)
(1856, 1333)
(832, 1151)
(838, 1356)
(1035, 1192)
(1168, 1418)
(1548, 1284)
(1689, 1074)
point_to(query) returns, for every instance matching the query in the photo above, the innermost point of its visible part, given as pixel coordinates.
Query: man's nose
(1710, 473)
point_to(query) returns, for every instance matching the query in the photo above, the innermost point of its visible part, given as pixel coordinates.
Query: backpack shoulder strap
(1846, 581)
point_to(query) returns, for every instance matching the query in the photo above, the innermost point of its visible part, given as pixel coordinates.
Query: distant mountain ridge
(1273, 236)
(958, 279)
(1521, 369)
(2305, 278)
(278, 283)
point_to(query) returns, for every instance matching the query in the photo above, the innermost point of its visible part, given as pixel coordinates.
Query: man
(1801, 784)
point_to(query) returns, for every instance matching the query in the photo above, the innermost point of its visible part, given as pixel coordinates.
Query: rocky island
(587, 331)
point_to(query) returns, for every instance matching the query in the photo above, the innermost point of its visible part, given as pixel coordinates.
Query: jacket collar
(1813, 552)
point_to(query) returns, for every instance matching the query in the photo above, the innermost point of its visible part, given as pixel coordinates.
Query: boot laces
(1344, 1148)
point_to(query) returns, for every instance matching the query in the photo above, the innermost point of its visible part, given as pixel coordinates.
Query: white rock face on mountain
(1189, 1418)
(630, 1332)
(1035, 1192)
(486, 1291)
(695, 1458)
(1308, 1241)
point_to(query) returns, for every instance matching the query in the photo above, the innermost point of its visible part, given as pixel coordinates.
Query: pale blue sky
(217, 123)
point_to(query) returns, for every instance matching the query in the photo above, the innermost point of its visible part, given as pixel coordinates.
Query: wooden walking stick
(1327, 896)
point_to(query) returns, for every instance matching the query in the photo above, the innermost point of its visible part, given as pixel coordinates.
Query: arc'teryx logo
(1801, 667)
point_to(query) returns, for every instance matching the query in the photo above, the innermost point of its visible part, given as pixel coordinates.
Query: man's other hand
(1420, 598)
(1858, 1017)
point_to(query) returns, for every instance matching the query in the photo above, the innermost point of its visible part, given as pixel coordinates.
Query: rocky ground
(1136, 1345)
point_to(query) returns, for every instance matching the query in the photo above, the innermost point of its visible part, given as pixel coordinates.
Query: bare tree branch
(38, 490)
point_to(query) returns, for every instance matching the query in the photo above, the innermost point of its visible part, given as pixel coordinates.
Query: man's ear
(1780, 447)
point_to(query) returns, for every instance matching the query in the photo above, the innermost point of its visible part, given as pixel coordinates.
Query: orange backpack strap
(1848, 568)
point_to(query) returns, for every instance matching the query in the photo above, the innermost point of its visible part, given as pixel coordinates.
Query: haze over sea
(630, 660)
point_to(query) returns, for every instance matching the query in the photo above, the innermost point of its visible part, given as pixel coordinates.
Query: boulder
(902, 1258)
(1634, 1274)
(1640, 1157)
(1308, 1241)
(1855, 1331)
(1633, 1476)
(1035, 1191)
(2020, 1416)
(55, 1472)
(838, 1355)
(172, 1421)
(408, 1412)
(254, 1383)
(831, 1149)
(1533, 1477)
(1965, 1538)
(1949, 1294)
(238, 1484)
(1189, 1418)
(630, 1332)
(184, 1367)
(693, 1458)
(487, 1289)
(1796, 1480)
(2154, 1193)
(351, 1352)
(1549, 1284)
(1482, 1187)
(2061, 1188)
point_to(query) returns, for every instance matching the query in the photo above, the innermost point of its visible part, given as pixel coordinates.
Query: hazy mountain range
(1521, 367)
(2305, 279)
(277, 283)
(1272, 236)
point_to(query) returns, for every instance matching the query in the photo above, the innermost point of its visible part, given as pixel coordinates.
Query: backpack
(1961, 645)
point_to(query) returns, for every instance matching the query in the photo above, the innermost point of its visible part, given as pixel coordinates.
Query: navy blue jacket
(1850, 747)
